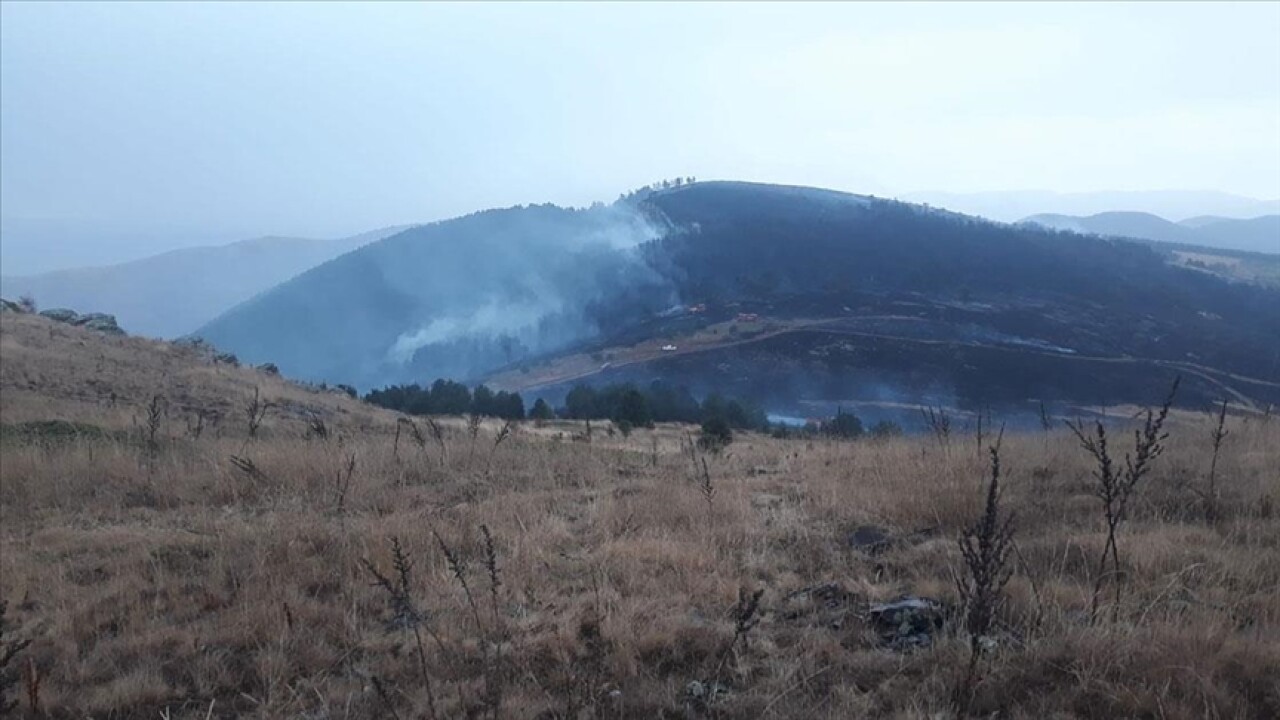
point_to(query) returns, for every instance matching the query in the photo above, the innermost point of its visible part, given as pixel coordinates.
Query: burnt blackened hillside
(796, 249)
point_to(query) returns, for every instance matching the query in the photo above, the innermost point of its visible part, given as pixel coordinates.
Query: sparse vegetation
(985, 548)
(255, 410)
(154, 417)
(938, 421)
(10, 654)
(414, 433)
(715, 435)
(844, 425)
(1116, 486)
(48, 432)
(886, 429)
(1210, 495)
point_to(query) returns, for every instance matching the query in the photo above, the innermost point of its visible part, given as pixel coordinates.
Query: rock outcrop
(908, 622)
(101, 322)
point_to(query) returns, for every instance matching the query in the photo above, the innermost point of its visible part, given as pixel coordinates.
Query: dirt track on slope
(581, 366)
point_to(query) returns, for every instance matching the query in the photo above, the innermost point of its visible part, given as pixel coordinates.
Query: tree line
(626, 404)
(446, 397)
(659, 402)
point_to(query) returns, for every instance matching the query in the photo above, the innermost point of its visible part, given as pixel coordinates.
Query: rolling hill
(173, 293)
(794, 295)
(1259, 234)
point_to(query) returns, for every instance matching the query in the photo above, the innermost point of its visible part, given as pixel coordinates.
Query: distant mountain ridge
(1174, 204)
(39, 245)
(1259, 234)
(173, 293)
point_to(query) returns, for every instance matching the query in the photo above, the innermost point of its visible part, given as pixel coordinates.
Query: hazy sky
(327, 119)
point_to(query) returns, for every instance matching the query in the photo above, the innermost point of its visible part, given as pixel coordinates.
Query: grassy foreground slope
(51, 370)
(222, 576)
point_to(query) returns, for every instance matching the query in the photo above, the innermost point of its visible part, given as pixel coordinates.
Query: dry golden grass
(181, 586)
(53, 370)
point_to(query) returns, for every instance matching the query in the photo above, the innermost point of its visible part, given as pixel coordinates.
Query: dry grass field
(195, 572)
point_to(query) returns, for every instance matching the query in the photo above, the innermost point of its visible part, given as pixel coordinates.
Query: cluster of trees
(843, 425)
(659, 402)
(643, 192)
(446, 397)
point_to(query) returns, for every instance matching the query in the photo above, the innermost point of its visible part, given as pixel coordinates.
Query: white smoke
(493, 319)
(537, 287)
